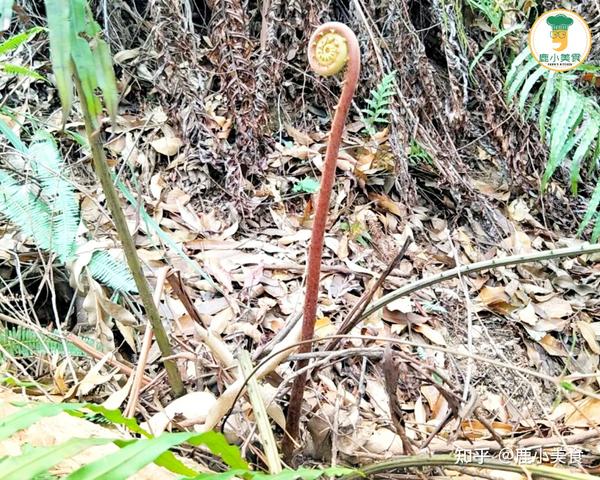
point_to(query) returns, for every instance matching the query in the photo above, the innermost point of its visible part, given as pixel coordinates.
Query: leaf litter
(538, 317)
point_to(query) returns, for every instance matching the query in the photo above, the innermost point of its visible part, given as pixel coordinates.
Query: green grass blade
(218, 445)
(116, 417)
(12, 136)
(60, 50)
(29, 415)
(224, 476)
(596, 231)
(39, 460)
(130, 459)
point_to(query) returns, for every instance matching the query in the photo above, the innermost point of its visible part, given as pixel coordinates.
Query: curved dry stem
(531, 471)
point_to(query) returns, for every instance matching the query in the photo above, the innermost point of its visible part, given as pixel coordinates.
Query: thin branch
(478, 267)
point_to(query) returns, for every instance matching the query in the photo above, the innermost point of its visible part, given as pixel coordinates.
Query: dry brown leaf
(402, 305)
(431, 334)
(299, 137)
(556, 307)
(587, 414)
(167, 146)
(588, 333)
(527, 315)
(474, 429)
(92, 378)
(496, 299)
(386, 203)
(553, 346)
(192, 406)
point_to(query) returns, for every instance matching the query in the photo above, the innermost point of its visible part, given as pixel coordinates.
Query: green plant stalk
(537, 471)
(92, 128)
(260, 414)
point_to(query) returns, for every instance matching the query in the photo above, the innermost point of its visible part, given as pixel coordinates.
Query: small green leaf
(568, 386)
(306, 185)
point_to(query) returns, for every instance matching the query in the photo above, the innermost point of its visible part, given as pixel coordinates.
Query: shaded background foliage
(244, 63)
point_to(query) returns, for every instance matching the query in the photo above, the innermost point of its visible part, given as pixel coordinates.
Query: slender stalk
(92, 128)
(478, 267)
(331, 47)
(535, 471)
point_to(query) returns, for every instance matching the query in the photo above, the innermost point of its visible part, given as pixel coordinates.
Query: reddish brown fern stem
(331, 47)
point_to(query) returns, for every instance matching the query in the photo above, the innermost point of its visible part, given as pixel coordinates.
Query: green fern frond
(16, 41)
(49, 167)
(378, 111)
(514, 68)
(549, 91)
(528, 86)
(52, 218)
(521, 76)
(111, 272)
(569, 121)
(22, 342)
(565, 120)
(25, 210)
(589, 133)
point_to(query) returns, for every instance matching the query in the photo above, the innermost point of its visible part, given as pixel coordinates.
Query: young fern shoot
(331, 47)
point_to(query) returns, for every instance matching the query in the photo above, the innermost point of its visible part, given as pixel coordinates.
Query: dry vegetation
(221, 128)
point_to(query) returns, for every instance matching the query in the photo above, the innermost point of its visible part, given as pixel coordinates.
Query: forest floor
(498, 358)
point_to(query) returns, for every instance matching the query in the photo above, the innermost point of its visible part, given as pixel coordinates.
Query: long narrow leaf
(499, 36)
(57, 12)
(38, 460)
(590, 132)
(29, 415)
(591, 209)
(5, 14)
(515, 67)
(106, 77)
(563, 120)
(20, 71)
(520, 77)
(130, 459)
(528, 85)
